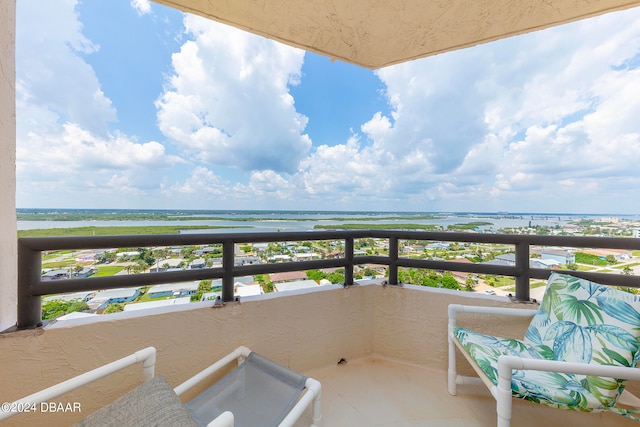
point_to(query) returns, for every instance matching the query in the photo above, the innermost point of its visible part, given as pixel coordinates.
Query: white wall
(8, 233)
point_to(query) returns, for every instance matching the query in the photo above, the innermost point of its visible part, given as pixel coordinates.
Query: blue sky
(128, 104)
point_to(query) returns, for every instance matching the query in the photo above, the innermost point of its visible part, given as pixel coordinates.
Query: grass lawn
(58, 264)
(116, 230)
(532, 285)
(633, 264)
(582, 267)
(109, 270)
(502, 281)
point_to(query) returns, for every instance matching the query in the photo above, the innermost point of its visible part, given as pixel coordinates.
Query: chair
(578, 351)
(258, 392)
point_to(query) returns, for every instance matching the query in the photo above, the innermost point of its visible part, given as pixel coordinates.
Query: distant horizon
(320, 211)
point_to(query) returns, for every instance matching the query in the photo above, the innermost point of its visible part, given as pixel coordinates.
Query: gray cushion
(152, 404)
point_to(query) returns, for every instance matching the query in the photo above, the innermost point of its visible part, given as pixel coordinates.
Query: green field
(114, 231)
(109, 270)
(430, 227)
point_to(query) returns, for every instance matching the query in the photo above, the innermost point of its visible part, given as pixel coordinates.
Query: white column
(8, 233)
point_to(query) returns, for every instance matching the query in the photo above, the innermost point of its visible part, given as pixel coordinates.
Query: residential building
(103, 298)
(563, 256)
(174, 290)
(198, 263)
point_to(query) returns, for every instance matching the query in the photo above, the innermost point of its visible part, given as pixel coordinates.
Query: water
(273, 221)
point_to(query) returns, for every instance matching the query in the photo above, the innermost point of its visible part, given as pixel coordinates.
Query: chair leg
(504, 399)
(317, 411)
(452, 373)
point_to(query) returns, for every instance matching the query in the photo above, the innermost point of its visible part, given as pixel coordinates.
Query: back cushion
(583, 321)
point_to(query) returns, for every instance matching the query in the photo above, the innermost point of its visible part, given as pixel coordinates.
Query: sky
(129, 104)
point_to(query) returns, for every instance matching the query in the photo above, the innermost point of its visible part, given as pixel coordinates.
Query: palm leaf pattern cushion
(578, 321)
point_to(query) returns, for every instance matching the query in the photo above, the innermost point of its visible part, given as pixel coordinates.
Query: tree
(449, 282)
(572, 266)
(203, 287)
(336, 277)
(116, 307)
(469, 284)
(265, 282)
(57, 308)
(316, 275)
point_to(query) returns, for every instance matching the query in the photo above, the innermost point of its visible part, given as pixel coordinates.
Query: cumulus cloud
(141, 6)
(65, 150)
(541, 122)
(228, 102)
(50, 68)
(526, 123)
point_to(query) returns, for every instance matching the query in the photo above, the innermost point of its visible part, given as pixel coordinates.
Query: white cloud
(141, 6)
(65, 150)
(527, 123)
(542, 122)
(51, 71)
(228, 102)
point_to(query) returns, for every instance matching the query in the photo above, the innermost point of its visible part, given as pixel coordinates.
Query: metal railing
(31, 288)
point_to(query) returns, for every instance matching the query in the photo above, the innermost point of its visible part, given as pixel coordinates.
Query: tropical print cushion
(578, 321)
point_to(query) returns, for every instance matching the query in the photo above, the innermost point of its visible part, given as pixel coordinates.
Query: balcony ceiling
(377, 33)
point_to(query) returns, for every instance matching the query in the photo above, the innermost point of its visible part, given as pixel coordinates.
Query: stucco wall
(302, 330)
(8, 245)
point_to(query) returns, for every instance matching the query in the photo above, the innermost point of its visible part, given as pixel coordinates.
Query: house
(250, 259)
(111, 296)
(563, 256)
(80, 296)
(294, 285)
(279, 258)
(288, 276)
(166, 265)
(55, 275)
(306, 256)
(85, 272)
(153, 304)
(174, 290)
(544, 263)
(207, 250)
(197, 263)
(260, 247)
(247, 290)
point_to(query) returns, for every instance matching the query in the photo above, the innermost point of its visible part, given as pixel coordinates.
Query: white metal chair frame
(507, 364)
(148, 358)
(312, 394)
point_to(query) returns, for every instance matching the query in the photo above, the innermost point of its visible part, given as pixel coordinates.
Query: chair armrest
(206, 372)
(454, 309)
(506, 364)
(147, 356)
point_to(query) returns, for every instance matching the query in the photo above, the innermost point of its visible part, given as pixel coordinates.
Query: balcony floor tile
(378, 392)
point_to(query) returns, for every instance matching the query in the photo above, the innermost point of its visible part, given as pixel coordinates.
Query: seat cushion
(567, 391)
(578, 321)
(152, 404)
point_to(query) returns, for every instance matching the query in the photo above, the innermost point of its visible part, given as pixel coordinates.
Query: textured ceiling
(376, 33)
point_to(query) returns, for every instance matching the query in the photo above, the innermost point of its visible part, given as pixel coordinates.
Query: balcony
(392, 338)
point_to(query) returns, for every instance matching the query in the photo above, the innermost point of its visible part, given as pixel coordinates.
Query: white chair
(257, 393)
(579, 349)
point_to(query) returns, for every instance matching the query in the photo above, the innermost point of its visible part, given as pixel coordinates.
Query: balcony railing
(31, 288)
